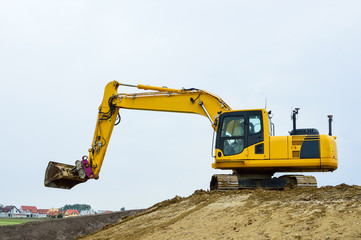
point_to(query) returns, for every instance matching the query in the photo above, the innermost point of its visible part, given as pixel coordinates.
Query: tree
(60, 215)
(79, 207)
(1, 207)
(122, 209)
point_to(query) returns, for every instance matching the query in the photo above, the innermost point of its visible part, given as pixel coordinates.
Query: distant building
(104, 211)
(30, 211)
(53, 213)
(43, 213)
(71, 213)
(10, 211)
(87, 212)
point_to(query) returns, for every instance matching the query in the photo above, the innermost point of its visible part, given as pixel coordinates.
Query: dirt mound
(323, 213)
(66, 228)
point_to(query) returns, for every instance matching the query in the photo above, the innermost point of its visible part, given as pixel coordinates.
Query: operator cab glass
(255, 124)
(232, 135)
(239, 130)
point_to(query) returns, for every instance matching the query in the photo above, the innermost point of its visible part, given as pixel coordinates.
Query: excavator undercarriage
(226, 182)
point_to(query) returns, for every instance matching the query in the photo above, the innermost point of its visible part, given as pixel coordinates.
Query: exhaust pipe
(294, 113)
(330, 118)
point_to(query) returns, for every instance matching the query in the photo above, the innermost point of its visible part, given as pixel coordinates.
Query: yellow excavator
(244, 142)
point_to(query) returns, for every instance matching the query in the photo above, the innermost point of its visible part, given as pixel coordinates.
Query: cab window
(233, 127)
(232, 135)
(255, 128)
(255, 125)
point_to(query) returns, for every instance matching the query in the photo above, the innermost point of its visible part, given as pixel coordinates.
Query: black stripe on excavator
(310, 147)
(311, 138)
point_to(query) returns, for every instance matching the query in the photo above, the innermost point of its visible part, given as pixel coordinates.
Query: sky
(57, 56)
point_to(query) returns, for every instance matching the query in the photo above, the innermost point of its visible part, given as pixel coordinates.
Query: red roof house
(71, 213)
(30, 211)
(9, 211)
(53, 212)
(43, 212)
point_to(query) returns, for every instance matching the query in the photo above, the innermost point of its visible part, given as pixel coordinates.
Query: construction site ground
(319, 213)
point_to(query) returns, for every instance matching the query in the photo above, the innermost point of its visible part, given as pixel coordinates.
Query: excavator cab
(238, 130)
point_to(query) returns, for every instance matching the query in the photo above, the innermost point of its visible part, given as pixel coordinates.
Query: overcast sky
(57, 56)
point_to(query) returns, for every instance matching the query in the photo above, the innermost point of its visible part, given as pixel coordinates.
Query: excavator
(244, 143)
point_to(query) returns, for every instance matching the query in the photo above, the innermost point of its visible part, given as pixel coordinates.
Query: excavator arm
(59, 175)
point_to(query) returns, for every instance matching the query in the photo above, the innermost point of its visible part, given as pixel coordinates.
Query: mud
(323, 213)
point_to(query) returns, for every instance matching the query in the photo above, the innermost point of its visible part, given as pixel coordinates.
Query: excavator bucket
(59, 175)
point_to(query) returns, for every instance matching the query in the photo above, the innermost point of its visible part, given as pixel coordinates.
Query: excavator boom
(59, 175)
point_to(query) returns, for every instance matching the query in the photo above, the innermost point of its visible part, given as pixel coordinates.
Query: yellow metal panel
(294, 146)
(328, 152)
(242, 156)
(278, 147)
(329, 164)
(328, 147)
(281, 165)
(266, 142)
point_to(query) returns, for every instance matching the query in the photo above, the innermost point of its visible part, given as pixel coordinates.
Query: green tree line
(79, 207)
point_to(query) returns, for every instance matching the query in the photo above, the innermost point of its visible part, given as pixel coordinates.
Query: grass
(9, 221)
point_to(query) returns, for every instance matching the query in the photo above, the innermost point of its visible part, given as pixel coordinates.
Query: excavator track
(301, 181)
(224, 182)
(227, 182)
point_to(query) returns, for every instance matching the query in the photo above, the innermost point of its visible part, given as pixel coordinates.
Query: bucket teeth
(59, 175)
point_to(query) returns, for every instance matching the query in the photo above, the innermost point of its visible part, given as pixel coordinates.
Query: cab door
(241, 133)
(255, 135)
(231, 136)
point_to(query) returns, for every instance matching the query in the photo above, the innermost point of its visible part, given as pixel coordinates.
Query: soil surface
(320, 213)
(65, 228)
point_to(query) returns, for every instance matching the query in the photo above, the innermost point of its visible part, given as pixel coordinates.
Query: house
(104, 211)
(71, 213)
(10, 211)
(30, 211)
(87, 212)
(53, 213)
(43, 213)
